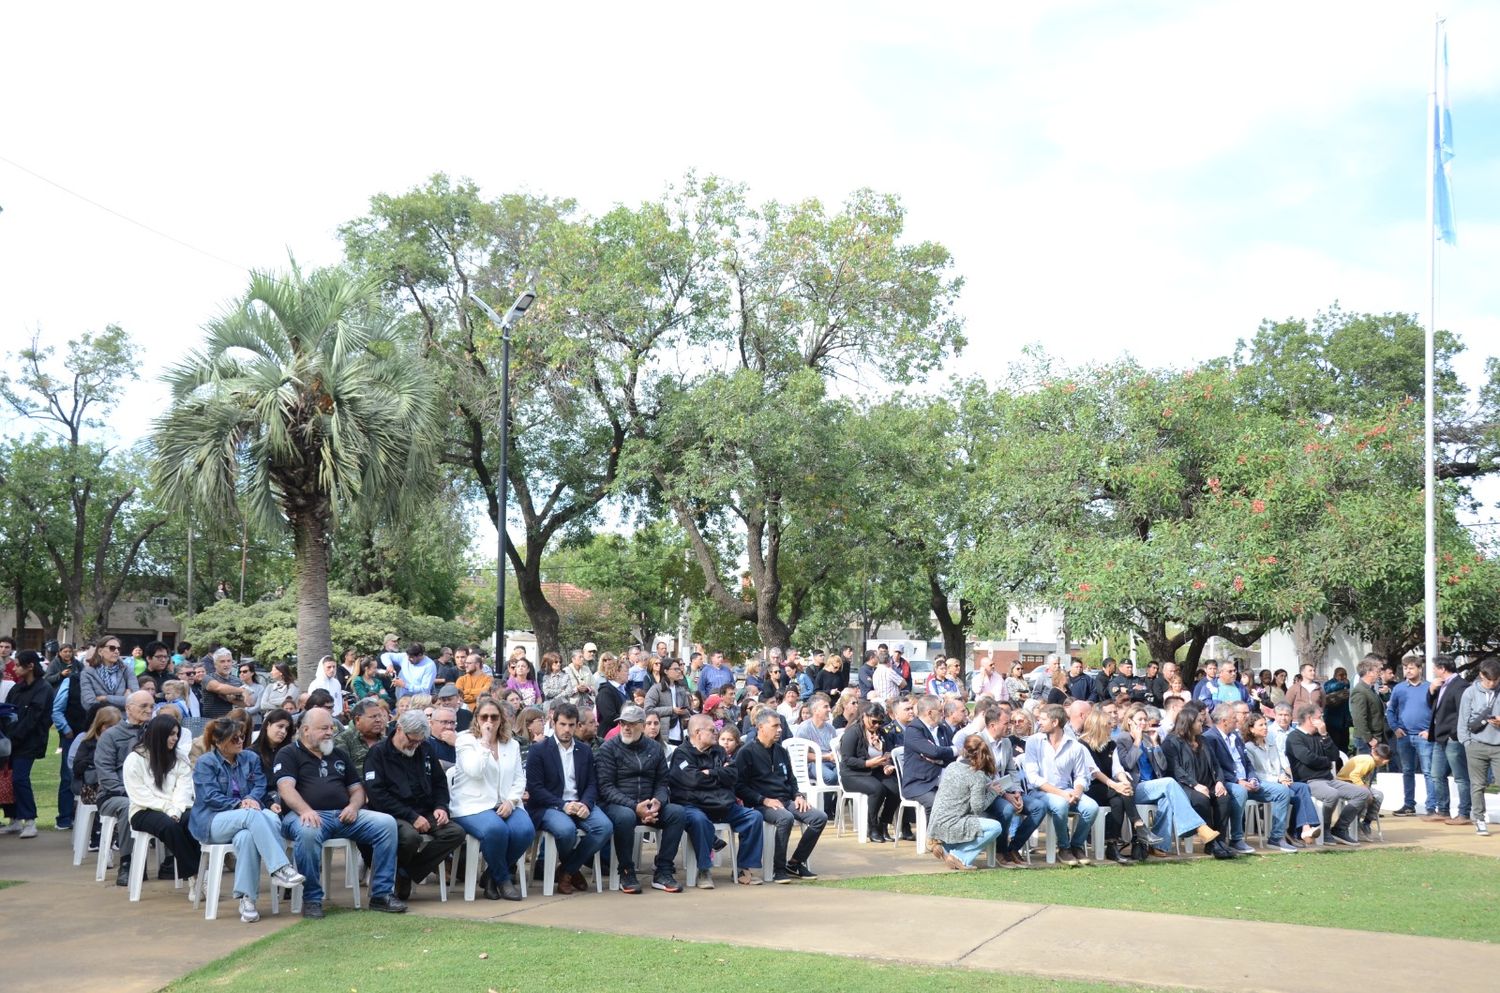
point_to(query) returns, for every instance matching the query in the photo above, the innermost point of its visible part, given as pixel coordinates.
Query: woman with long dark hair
(1190, 763)
(275, 731)
(866, 767)
(281, 691)
(159, 783)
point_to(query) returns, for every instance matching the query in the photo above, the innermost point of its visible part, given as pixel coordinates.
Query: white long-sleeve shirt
(481, 780)
(173, 797)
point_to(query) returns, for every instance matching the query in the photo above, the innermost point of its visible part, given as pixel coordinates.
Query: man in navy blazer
(929, 748)
(1234, 771)
(564, 798)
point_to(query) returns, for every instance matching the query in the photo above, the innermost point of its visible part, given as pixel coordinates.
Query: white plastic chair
(139, 851)
(1097, 835)
(83, 826)
(106, 844)
(210, 881)
(858, 806)
(353, 869)
(897, 754)
(643, 834)
(546, 843)
(723, 830)
(806, 756)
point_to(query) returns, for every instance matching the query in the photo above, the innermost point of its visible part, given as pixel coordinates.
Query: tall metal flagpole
(1429, 478)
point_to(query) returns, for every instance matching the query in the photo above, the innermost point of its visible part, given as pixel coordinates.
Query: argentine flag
(1442, 151)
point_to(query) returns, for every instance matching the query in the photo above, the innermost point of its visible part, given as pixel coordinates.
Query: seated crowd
(407, 756)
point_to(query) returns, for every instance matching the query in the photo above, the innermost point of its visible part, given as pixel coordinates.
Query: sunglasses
(488, 717)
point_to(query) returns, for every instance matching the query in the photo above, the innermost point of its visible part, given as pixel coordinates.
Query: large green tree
(308, 400)
(76, 499)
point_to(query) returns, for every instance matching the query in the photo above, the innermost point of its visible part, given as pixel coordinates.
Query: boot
(122, 878)
(1138, 850)
(1206, 835)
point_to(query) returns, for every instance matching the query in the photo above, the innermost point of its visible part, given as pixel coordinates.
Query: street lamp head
(522, 304)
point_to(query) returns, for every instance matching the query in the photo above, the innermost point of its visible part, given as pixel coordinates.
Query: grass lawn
(375, 954)
(1400, 890)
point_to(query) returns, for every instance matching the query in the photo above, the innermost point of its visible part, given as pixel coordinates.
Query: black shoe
(168, 869)
(877, 837)
(491, 888)
(666, 882)
(1220, 851)
(781, 876)
(1406, 812)
(509, 890)
(628, 882)
(907, 836)
(800, 870)
(1112, 853)
(312, 911)
(388, 904)
(1138, 850)
(403, 887)
(122, 878)
(720, 844)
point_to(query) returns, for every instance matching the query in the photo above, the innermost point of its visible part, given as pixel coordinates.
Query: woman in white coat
(488, 780)
(159, 783)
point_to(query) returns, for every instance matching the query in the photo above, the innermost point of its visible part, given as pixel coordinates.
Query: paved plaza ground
(53, 921)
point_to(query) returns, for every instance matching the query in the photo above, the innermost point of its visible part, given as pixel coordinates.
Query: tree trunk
(314, 627)
(955, 629)
(20, 596)
(773, 631)
(545, 622)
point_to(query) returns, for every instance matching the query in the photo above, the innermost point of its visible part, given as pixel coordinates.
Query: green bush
(268, 630)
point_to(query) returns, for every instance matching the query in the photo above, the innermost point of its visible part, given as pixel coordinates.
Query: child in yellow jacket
(1360, 770)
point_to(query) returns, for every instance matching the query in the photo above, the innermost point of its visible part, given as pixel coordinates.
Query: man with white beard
(323, 798)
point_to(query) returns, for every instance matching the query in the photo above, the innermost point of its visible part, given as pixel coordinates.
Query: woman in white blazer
(485, 798)
(159, 783)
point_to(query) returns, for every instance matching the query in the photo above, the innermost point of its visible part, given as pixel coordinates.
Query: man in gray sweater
(109, 759)
(1479, 731)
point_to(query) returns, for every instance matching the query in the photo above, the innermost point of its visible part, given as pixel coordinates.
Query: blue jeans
(746, 823)
(967, 851)
(65, 787)
(1056, 807)
(1416, 754)
(25, 797)
(1023, 823)
(1280, 799)
(571, 851)
(502, 840)
(1175, 815)
(1238, 796)
(1448, 759)
(1305, 813)
(369, 828)
(254, 835)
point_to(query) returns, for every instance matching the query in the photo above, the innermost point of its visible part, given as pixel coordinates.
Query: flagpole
(1429, 478)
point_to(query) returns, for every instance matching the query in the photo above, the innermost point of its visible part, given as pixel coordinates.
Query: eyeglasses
(113, 648)
(442, 722)
(488, 717)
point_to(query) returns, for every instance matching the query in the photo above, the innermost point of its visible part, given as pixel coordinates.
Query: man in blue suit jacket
(929, 748)
(1234, 771)
(564, 798)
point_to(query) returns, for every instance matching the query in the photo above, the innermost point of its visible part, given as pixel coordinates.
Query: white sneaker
(248, 913)
(29, 831)
(288, 876)
(1481, 826)
(14, 827)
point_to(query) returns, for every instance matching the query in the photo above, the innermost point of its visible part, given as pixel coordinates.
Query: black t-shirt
(323, 781)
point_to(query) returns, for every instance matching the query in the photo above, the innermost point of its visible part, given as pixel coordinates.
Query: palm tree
(305, 403)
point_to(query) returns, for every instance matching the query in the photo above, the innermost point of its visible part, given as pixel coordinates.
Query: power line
(124, 217)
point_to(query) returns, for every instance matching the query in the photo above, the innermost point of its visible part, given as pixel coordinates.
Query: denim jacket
(219, 786)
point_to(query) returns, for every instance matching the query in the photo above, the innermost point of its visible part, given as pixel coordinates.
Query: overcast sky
(1151, 177)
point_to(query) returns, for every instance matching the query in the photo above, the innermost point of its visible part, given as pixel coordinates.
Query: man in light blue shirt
(1410, 716)
(416, 673)
(1059, 769)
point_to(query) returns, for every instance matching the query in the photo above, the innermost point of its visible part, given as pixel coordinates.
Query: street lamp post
(524, 301)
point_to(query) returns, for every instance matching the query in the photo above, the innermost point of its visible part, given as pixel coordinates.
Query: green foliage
(267, 629)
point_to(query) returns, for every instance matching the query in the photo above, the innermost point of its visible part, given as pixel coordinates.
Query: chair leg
(106, 840)
(138, 854)
(549, 864)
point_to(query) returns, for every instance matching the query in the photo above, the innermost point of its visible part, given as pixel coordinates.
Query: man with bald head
(1078, 712)
(109, 761)
(323, 798)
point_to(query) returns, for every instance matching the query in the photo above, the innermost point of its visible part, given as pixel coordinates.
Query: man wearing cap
(404, 778)
(564, 798)
(632, 774)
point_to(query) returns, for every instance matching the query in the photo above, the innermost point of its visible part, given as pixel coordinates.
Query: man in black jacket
(766, 784)
(632, 774)
(405, 779)
(1314, 759)
(1448, 757)
(702, 779)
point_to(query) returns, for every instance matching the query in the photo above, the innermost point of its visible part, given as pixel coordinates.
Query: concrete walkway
(59, 915)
